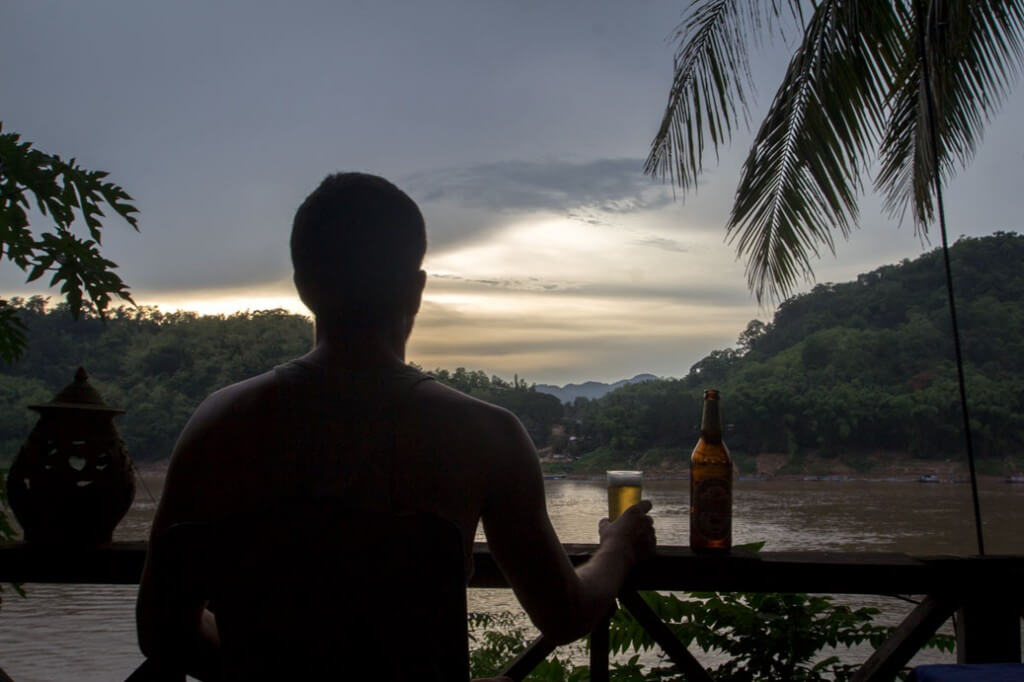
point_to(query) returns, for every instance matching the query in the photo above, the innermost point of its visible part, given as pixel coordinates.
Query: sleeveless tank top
(342, 432)
(339, 445)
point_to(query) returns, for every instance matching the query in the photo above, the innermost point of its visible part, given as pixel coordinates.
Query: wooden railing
(986, 592)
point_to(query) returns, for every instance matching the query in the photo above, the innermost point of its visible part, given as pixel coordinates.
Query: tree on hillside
(61, 191)
(858, 86)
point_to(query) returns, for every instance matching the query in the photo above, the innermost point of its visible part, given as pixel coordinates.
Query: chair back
(312, 590)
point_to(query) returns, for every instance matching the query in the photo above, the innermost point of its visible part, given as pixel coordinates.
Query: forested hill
(988, 277)
(159, 366)
(852, 368)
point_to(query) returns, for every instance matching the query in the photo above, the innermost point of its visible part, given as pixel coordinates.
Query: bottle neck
(711, 422)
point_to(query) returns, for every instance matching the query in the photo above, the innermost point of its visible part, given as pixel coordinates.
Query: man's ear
(416, 295)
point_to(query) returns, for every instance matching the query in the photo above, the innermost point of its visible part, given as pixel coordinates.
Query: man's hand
(632, 533)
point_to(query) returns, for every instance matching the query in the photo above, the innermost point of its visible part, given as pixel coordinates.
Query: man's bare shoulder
(464, 424)
(241, 406)
(209, 451)
(452, 406)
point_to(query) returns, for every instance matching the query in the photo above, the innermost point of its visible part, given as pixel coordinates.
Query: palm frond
(801, 179)
(973, 51)
(711, 77)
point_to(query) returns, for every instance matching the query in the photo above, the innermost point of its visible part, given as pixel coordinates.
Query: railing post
(599, 651)
(906, 639)
(988, 630)
(680, 655)
(530, 658)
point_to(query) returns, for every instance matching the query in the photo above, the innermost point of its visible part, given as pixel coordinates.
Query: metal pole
(932, 135)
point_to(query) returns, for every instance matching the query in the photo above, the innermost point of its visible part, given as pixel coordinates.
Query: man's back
(385, 438)
(311, 590)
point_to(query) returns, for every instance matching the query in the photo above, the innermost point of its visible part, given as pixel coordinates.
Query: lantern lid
(78, 395)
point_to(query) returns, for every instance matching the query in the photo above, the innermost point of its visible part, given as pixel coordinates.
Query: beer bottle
(711, 483)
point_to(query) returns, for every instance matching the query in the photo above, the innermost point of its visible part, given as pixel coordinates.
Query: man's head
(357, 245)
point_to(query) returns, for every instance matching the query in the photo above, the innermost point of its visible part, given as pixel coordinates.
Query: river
(86, 632)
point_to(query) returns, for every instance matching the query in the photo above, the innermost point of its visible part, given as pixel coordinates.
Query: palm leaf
(801, 179)
(974, 54)
(855, 84)
(711, 77)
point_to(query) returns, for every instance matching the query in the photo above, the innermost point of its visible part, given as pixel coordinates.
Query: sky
(519, 127)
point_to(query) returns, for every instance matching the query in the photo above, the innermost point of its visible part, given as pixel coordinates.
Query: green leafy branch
(764, 636)
(63, 192)
(759, 636)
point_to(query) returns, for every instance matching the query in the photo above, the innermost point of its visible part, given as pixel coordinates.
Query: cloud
(673, 245)
(602, 186)
(556, 343)
(509, 283)
(671, 292)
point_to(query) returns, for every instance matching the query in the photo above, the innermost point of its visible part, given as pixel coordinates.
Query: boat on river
(928, 478)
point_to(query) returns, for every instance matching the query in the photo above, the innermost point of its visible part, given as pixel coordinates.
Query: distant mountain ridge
(589, 389)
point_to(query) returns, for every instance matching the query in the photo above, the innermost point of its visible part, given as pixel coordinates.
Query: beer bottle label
(713, 508)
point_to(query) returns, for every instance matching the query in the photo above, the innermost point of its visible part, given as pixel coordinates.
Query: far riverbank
(890, 466)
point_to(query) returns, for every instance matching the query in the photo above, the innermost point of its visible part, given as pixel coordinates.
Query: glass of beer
(623, 491)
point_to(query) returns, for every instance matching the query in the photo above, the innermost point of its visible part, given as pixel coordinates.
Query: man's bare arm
(563, 602)
(173, 626)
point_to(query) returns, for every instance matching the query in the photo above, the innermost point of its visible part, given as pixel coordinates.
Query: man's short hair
(357, 245)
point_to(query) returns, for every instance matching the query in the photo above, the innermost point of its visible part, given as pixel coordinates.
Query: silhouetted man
(357, 247)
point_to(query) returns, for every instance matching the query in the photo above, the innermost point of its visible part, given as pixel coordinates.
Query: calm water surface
(86, 632)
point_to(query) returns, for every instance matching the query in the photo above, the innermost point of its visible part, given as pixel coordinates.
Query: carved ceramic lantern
(72, 481)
